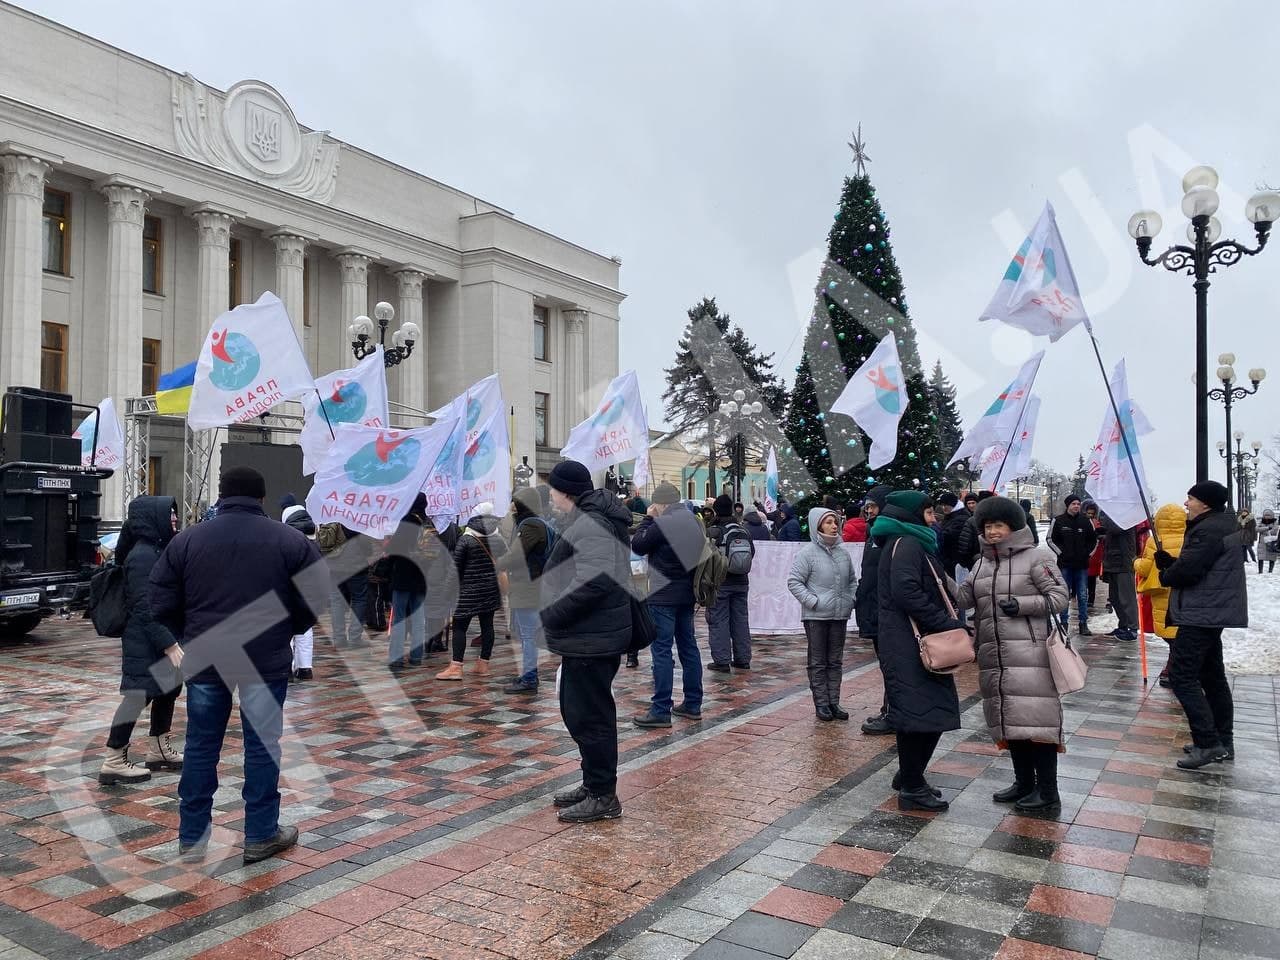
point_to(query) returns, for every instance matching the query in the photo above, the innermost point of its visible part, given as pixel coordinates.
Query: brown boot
(452, 672)
(482, 667)
(117, 769)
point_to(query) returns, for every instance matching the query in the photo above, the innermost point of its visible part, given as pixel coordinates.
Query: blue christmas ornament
(831, 285)
(823, 451)
(868, 248)
(871, 481)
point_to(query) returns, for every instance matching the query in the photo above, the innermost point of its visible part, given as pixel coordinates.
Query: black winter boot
(1024, 774)
(1044, 757)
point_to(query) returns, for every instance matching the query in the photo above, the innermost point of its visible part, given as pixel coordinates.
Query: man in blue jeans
(728, 622)
(232, 589)
(669, 536)
(523, 564)
(1073, 537)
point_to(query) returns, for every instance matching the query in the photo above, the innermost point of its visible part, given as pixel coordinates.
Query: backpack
(539, 562)
(735, 543)
(330, 537)
(708, 575)
(302, 522)
(107, 607)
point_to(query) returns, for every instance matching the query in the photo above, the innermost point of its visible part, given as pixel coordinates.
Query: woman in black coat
(922, 705)
(476, 557)
(149, 654)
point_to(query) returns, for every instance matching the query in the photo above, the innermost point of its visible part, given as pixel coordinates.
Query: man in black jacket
(1119, 552)
(1208, 594)
(866, 603)
(1032, 524)
(232, 590)
(728, 621)
(672, 540)
(587, 619)
(1072, 537)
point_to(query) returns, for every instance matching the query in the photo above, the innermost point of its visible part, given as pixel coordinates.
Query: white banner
(771, 607)
(486, 467)
(616, 432)
(369, 478)
(1110, 472)
(876, 398)
(770, 500)
(445, 479)
(250, 361)
(355, 395)
(994, 462)
(110, 449)
(1038, 291)
(1000, 420)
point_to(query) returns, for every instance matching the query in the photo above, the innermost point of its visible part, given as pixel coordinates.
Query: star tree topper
(859, 148)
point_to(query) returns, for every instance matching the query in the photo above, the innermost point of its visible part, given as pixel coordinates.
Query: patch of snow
(1256, 650)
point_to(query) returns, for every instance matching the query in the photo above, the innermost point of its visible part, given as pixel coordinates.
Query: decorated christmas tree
(858, 301)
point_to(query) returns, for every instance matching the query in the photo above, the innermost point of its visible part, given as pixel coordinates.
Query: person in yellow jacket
(1171, 528)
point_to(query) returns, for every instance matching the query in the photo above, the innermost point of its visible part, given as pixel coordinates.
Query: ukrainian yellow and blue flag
(173, 391)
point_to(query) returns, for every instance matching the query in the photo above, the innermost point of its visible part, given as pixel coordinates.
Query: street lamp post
(1203, 257)
(1236, 461)
(1229, 393)
(361, 332)
(736, 411)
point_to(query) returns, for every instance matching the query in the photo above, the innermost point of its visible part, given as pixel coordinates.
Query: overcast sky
(704, 144)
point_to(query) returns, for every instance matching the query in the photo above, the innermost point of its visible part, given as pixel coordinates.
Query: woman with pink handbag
(914, 607)
(1016, 590)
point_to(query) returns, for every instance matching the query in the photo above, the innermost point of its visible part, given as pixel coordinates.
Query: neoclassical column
(354, 265)
(412, 309)
(291, 253)
(575, 319)
(126, 207)
(23, 174)
(213, 267)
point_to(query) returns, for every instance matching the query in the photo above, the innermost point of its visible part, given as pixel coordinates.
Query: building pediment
(251, 131)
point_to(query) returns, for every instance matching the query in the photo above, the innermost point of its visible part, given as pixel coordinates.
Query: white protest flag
(1110, 474)
(109, 451)
(1001, 418)
(771, 482)
(486, 466)
(369, 478)
(876, 398)
(356, 395)
(482, 399)
(250, 361)
(996, 465)
(445, 479)
(640, 471)
(1039, 292)
(616, 432)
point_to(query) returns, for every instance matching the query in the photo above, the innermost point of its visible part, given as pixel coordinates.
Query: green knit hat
(912, 501)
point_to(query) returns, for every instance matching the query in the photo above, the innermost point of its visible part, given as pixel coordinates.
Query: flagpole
(332, 435)
(1017, 428)
(1124, 437)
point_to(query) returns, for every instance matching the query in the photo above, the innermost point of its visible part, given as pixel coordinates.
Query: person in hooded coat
(789, 527)
(754, 524)
(822, 579)
(922, 705)
(296, 516)
(479, 595)
(1171, 528)
(586, 614)
(1014, 589)
(866, 603)
(149, 654)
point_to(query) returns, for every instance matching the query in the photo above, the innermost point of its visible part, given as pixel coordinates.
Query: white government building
(138, 204)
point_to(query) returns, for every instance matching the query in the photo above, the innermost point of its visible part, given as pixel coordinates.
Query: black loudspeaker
(29, 410)
(280, 465)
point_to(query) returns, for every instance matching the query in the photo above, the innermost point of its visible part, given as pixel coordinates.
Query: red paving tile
(799, 905)
(853, 859)
(464, 857)
(240, 950)
(361, 904)
(415, 879)
(1098, 858)
(1039, 829)
(1111, 821)
(1117, 791)
(1193, 853)
(1013, 949)
(1071, 904)
(300, 932)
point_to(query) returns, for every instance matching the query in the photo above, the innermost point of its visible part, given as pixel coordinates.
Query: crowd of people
(229, 606)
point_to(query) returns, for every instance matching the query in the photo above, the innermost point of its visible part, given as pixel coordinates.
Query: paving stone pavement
(757, 832)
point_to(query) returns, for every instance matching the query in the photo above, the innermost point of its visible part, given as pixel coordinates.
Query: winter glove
(1164, 560)
(1010, 606)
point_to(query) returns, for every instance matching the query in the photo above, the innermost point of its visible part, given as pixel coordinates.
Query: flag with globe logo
(876, 398)
(771, 482)
(485, 472)
(1039, 292)
(1110, 473)
(1002, 462)
(250, 361)
(444, 481)
(354, 395)
(368, 479)
(110, 439)
(617, 432)
(1001, 419)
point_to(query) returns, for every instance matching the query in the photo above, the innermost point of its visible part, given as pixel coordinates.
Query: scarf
(889, 527)
(829, 539)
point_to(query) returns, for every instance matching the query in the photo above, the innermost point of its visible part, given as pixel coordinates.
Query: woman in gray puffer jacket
(1016, 589)
(822, 579)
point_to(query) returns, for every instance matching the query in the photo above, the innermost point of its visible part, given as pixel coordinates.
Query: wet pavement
(427, 829)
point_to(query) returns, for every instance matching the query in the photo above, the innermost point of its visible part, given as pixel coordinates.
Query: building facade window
(541, 404)
(150, 366)
(689, 491)
(233, 274)
(57, 232)
(153, 476)
(151, 255)
(306, 291)
(53, 357)
(540, 345)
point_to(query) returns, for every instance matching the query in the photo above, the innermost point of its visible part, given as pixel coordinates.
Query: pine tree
(942, 397)
(713, 359)
(1078, 479)
(858, 301)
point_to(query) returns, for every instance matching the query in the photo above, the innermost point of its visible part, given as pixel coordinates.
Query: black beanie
(571, 478)
(288, 500)
(1211, 493)
(1070, 499)
(242, 482)
(1000, 509)
(723, 505)
(946, 499)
